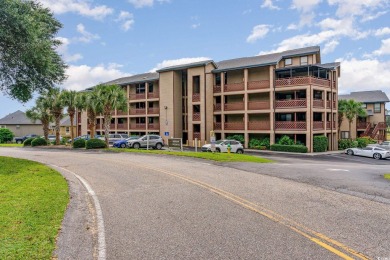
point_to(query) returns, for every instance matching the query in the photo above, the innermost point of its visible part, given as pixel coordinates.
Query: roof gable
(18, 118)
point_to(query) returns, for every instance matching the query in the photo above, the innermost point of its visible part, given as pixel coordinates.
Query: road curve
(180, 208)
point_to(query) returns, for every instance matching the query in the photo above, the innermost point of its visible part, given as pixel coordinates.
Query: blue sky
(104, 40)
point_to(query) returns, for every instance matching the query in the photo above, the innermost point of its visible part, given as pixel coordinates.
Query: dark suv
(20, 140)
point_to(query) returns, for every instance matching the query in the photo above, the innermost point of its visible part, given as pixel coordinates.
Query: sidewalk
(269, 152)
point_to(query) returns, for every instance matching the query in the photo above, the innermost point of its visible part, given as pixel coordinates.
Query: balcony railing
(112, 126)
(217, 107)
(217, 88)
(153, 110)
(137, 96)
(137, 111)
(234, 106)
(196, 116)
(328, 104)
(234, 87)
(122, 126)
(318, 125)
(196, 135)
(138, 126)
(121, 113)
(258, 105)
(290, 125)
(234, 126)
(153, 95)
(329, 125)
(217, 126)
(318, 103)
(261, 84)
(259, 125)
(296, 81)
(289, 103)
(153, 126)
(196, 97)
(362, 125)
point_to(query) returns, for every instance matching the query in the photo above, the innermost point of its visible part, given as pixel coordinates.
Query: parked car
(222, 145)
(20, 140)
(85, 137)
(123, 143)
(369, 151)
(112, 138)
(155, 142)
(52, 138)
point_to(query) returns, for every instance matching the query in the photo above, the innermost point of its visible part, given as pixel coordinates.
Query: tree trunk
(57, 128)
(350, 126)
(107, 123)
(71, 116)
(45, 126)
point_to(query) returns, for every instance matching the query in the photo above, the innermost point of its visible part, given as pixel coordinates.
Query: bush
(239, 138)
(289, 148)
(347, 143)
(79, 143)
(6, 135)
(261, 144)
(64, 140)
(38, 142)
(286, 140)
(364, 141)
(95, 144)
(320, 143)
(28, 141)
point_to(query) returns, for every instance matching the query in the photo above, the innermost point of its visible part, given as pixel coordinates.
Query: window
(364, 105)
(140, 88)
(150, 86)
(287, 62)
(67, 129)
(344, 135)
(218, 79)
(3, 126)
(377, 107)
(196, 84)
(304, 60)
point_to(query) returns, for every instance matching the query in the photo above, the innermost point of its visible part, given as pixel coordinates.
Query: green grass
(11, 145)
(33, 200)
(387, 176)
(219, 157)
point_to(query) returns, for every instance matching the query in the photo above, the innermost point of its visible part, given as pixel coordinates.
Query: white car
(222, 145)
(369, 151)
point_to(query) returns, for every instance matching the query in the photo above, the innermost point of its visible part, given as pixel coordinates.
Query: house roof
(262, 60)
(18, 118)
(373, 96)
(187, 66)
(66, 121)
(152, 76)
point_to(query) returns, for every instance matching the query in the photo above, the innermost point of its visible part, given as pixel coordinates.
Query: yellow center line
(316, 237)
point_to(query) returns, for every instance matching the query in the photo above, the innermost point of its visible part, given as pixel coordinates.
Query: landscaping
(33, 199)
(387, 176)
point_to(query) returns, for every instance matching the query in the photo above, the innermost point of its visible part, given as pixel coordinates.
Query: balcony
(329, 125)
(362, 125)
(261, 84)
(121, 113)
(137, 111)
(234, 87)
(112, 126)
(234, 106)
(297, 81)
(291, 103)
(217, 88)
(258, 105)
(153, 95)
(138, 126)
(218, 126)
(153, 126)
(123, 126)
(196, 97)
(234, 126)
(153, 110)
(196, 135)
(196, 116)
(319, 103)
(259, 125)
(318, 125)
(217, 107)
(137, 96)
(290, 125)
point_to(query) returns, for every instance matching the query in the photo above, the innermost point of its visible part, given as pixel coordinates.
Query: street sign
(166, 133)
(212, 141)
(175, 143)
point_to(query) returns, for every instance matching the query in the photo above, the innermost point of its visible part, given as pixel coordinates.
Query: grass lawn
(33, 200)
(219, 157)
(387, 176)
(11, 145)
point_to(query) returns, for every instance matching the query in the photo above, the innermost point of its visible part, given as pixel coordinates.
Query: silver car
(153, 141)
(369, 151)
(112, 138)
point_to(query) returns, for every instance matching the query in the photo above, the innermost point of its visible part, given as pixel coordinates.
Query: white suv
(155, 142)
(112, 138)
(222, 145)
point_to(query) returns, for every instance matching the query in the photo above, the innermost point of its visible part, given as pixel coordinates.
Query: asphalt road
(163, 207)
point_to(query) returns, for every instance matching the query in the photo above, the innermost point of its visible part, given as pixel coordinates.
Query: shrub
(79, 143)
(95, 144)
(28, 141)
(261, 144)
(64, 140)
(239, 138)
(364, 141)
(320, 143)
(347, 143)
(286, 140)
(289, 148)
(6, 135)
(38, 142)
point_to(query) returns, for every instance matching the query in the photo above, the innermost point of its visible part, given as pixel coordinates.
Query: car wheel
(349, 152)
(240, 151)
(123, 145)
(217, 150)
(136, 146)
(158, 146)
(377, 156)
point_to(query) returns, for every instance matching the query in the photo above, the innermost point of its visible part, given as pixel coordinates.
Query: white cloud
(82, 7)
(305, 5)
(63, 50)
(84, 76)
(270, 5)
(127, 20)
(384, 49)
(182, 61)
(258, 32)
(382, 31)
(146, 3)
(248, 11)
(330, 47)
(357, 7)
(85, 35)
(368, 74)
(370, 17)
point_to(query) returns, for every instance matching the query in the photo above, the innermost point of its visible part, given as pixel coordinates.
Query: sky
(106, 40)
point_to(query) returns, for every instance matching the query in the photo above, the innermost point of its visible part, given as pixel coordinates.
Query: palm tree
(89, 102)
(352, 110)
(52, 99)
(341, 112)
(40, 112)
(111, 97)
(69, 98)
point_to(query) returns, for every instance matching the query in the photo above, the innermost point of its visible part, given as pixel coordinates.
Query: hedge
(28, 141)
(320, 143)
(79, 143)
(347, 143)
(95, 144)
(239, 138)
(261, 144)
(286, 140)
(38, 142)
(6, 135)
(364, 141)
(289, 148)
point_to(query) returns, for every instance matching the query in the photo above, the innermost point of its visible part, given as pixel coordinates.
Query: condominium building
(286, 93)
(374, 124)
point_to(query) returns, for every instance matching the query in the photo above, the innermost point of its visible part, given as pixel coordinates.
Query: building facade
(21, 125)
(287, 93)
(374, 124)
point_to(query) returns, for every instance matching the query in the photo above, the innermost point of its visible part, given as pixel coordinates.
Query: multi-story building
(287, 93)
(374, 124)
